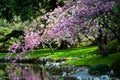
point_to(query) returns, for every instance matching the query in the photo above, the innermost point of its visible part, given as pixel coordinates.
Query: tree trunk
(99, 41)
(51, 49)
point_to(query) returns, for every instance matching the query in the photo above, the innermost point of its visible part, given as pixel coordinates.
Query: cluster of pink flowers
(14, 48)
(80, 16)
(32, 39)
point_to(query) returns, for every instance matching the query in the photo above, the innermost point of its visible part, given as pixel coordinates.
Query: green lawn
(81, 52)
(78, 56)
(89, 61)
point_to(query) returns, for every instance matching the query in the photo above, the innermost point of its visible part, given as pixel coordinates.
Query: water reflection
(23, 72)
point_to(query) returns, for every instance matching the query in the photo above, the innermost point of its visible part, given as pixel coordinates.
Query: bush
(99, 69)
(116, 67)
(111, 47)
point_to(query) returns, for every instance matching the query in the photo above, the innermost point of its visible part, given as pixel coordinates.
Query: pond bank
(59, 70)
(80, 73)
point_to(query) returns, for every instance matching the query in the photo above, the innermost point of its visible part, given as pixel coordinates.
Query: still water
(9, 71)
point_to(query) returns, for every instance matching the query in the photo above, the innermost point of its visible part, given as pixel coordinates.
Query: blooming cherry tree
(65, 22)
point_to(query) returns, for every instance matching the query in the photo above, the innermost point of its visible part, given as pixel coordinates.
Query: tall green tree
(24, 9)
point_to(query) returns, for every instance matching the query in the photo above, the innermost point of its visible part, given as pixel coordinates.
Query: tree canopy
(25, 9)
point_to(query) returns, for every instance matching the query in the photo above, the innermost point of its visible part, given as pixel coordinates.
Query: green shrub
(111, 47)
(116, 67)
(99, 69)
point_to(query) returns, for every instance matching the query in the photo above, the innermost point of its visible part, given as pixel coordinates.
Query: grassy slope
(77, 56)
(95, 60)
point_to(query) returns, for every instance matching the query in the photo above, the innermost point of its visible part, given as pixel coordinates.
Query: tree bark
(51, 49)
(99, 41)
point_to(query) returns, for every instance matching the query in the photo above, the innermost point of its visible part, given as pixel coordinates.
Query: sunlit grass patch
(90, 61)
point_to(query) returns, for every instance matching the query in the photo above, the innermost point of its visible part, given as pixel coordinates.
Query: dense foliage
(25, 10)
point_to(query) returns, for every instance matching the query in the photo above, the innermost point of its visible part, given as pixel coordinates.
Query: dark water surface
(9, 71)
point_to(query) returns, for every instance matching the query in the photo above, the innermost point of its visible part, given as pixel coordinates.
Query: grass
(68, 53)
(78, 56)
(90, 61)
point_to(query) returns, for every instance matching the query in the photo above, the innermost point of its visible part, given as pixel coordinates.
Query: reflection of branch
(42, 74)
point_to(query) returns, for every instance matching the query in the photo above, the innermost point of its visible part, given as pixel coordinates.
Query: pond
(9, 71)
(49, 71)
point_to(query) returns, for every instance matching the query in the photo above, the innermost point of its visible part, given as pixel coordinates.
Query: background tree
(26, 10)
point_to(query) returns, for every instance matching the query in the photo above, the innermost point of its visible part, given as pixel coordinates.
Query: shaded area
(14, 34)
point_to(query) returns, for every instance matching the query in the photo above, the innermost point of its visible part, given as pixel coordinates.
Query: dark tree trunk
(105, 39)
(100, 41)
